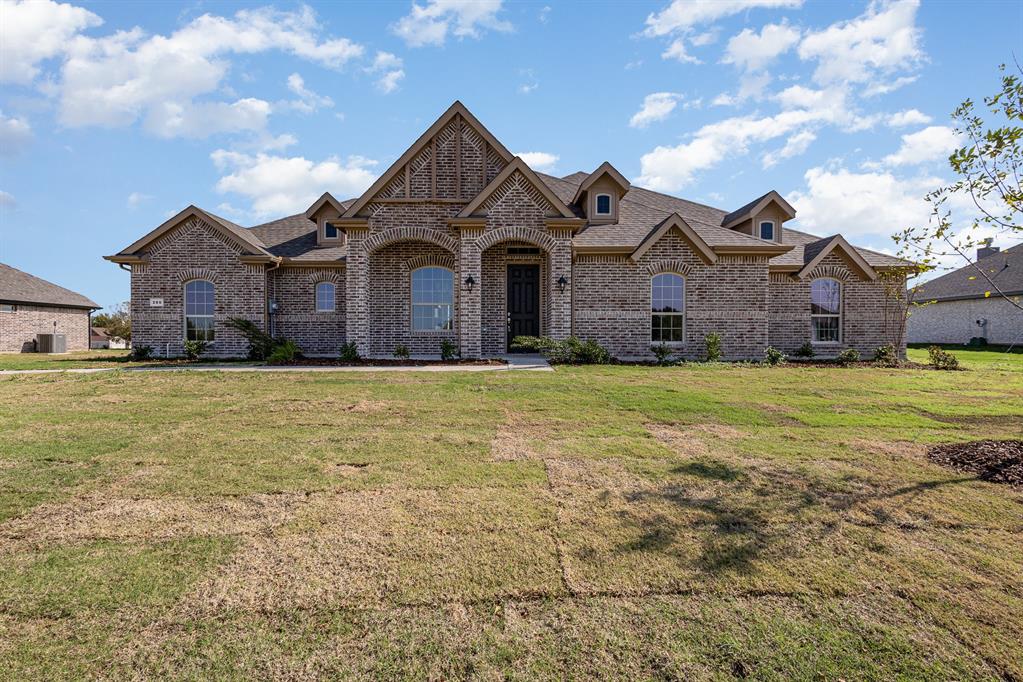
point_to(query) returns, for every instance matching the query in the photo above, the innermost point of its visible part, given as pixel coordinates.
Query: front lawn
(697, 522)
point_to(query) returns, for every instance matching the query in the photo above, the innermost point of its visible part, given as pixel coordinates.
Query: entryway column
(470, 298)
(560, 299)
(357, 289)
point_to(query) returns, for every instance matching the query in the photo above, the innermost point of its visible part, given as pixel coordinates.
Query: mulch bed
(380, 362)
(999, 461)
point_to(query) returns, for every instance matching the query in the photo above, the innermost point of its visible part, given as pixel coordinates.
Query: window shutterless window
(603, 204)
(826, 310)
(198, 310)
(325, 301)
(432, 299)
(667, 308)
(330, 231)
(7, 308)
(767, 230)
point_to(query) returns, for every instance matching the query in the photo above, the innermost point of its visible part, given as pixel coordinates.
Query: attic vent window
(330, 231)
(603, 204)
(767, 230)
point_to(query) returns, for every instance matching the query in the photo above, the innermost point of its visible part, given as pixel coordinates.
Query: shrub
(529, 344)
(571, 351)
(713, 341)
(349, 352)
(141, 352)
(942, 359)
(885, 355)
(848, 356)
(448, 350)
(592, 353)
(261, 344)
(193, 349)
(773, 356)
(284, 351)
(804, 351)
(664, 354)
(401, 352)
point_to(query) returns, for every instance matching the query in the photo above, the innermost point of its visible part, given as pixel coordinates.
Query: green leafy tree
(117, 322)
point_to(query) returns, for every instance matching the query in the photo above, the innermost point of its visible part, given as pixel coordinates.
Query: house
(965, 304)
(30, 306)
(461, 241)
(100, 338)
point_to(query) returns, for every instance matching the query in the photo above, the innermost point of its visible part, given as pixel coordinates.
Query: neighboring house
(963, 305)
(30, 306)
(101, 339)
(460, 240)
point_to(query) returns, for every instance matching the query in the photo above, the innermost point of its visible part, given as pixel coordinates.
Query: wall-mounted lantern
(562, 283)
(469, 281)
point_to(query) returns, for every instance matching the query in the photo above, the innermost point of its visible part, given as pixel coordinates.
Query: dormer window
(767, 230)
(330, 231)
(603, 204)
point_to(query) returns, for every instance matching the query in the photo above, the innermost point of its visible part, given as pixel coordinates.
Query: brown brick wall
(294, 289)
(18, 329)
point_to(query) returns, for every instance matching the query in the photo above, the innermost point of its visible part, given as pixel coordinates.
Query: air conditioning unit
(51, 343)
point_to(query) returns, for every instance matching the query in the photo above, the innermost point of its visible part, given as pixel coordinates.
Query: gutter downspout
(277, 261)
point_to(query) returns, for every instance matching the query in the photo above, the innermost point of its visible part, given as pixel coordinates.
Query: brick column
(357, 291)
(470, 304)
(560, 265)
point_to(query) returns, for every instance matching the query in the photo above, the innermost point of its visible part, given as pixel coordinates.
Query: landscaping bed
(999, 461)
(379, 362)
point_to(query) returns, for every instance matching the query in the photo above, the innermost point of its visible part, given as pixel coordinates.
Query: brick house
(30, 305)
(460, 240)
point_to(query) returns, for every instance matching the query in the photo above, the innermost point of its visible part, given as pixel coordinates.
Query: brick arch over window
(516, 234)
(830, 272)
(315, 277)
(189, 274)
(410, 234)
(428, 260)
(665, 266)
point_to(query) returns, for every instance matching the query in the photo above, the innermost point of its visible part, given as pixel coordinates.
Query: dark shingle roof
(743, 210)
(294, 237)
(20, 287)
(1004, 268)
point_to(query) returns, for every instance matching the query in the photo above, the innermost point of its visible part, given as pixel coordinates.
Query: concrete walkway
(516, 363)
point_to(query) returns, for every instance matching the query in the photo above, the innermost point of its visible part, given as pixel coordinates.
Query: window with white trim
(767, 230)
(603, 204)
(826, 310)
(667, 308)
(199, 310)
(330, 231)
(432, 299)
(325, 297)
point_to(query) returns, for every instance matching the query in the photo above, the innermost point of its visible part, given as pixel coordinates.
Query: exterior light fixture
(562, 283)
(469, 281)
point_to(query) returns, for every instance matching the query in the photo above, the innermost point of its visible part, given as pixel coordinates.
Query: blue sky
(114, 116)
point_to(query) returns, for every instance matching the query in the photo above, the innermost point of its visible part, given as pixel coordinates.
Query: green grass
(698, 522)
(75, 360)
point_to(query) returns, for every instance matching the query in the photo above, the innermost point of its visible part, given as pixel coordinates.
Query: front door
(523, 301)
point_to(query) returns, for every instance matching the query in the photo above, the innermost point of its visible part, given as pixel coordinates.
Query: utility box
(51, 343)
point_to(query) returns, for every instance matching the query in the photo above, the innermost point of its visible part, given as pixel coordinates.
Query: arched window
(667, 308)
(603, 204)
(198, 310)
(325, 301)
(826, 310)
(767, 230)
(432, 299)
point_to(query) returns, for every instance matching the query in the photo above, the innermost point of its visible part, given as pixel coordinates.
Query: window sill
(433, 332)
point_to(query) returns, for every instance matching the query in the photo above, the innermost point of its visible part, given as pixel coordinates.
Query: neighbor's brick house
(30, 306)
(460, 240)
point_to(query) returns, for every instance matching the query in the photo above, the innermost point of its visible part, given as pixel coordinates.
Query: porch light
(469, 281)
(562, 283)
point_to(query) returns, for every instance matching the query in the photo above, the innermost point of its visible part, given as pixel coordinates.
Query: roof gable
(815, 252)
(603, 169)
(756, 206)
(326, 199)
(248, 242)
(456, 109)
(520, 166)
(675, 221)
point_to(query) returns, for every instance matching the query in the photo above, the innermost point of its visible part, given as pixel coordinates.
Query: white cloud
(908, 117)
(656, 107)
(430, 24)
(118, 79)
(752, 51)
(679, 19)
(7, 200)
(33, 31)
(15, 134)
(880, 87)
(278, 185)
(529, 84)
(930, 144)
(539, 161)
(881, 40)
(137, 198)
(794, 146)
(389, 68)
(308, 101)
(544, 14)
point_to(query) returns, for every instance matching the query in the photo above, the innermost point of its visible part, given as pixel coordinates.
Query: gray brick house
(460, 240)
(30, 306)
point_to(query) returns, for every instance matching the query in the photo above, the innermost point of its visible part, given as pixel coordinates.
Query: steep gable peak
(517, 165)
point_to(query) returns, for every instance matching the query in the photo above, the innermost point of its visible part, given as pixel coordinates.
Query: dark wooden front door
(523, 301)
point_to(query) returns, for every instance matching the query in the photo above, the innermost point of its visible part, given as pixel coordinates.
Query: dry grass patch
(679, 439)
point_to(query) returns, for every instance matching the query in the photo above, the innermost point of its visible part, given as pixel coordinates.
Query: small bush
(193, 349)
(401, 352)
(713, 341)
(942, 359)
(528, 344)
(284, 351)
(448, 350)
(849, 355)
(571, 351)
(349, 352)
(141, 352)
(773, 356)
(804, 351)
(592, 353)
(261, 344)
(664, 353)
(885, 355)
